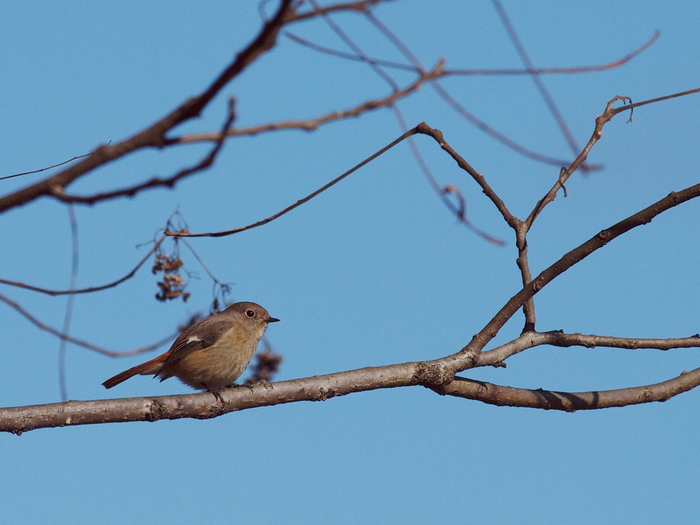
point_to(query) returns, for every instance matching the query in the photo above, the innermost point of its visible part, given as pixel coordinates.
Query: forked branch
(437, 375)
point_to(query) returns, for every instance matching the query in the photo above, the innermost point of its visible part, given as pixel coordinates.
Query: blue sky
(374, 271)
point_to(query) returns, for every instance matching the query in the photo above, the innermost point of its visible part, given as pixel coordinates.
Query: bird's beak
(272, 320)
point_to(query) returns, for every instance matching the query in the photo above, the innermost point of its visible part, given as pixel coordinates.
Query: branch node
(326, 393)
(431, 375)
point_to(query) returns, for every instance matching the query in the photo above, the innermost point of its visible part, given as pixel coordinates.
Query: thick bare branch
(569, 401)
(431, 374)
(205, 405)
(154, 135)
(206, 162)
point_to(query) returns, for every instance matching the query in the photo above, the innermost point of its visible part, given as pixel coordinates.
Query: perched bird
(210, 354)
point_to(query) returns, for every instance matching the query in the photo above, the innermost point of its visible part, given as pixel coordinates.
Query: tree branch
(497, 356)
(154, 136)
(315, 11)
(569, 401)
(313, 123)
(466, 357)
(92, 288)
(79, 342)
(600, 121)
(297, 203)
(431, 374)
(205, 405)
(481, 72)
(155, 182)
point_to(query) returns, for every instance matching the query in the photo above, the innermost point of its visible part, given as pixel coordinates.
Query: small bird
(210, 354)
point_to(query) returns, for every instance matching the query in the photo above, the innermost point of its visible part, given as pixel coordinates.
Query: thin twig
(481, 72)
(356, 49)
(546, 95)
(462, 163)
(496, 356)
(297, 203)
(92, 288)
(444, 192)
(69, 303)
(79, 342)
(600, 122)
(316, 11)
(314, 123)
(46, 168)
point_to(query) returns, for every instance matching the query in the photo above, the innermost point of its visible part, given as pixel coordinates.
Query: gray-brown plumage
(210, 354)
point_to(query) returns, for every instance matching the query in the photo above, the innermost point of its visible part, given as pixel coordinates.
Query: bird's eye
(250, 314)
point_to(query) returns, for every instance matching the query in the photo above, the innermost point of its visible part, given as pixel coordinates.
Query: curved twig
(600, 122)
(297, 203)
(482, 72)
(79, 342)
(92, 288)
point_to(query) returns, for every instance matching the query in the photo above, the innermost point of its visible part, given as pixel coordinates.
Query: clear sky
(375, 271)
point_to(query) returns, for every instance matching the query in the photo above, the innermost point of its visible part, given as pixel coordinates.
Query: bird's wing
(199, 336)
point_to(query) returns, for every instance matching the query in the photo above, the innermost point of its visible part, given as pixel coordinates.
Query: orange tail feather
(149, 367)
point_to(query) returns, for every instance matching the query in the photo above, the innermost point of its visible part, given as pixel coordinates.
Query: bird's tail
(149, 367)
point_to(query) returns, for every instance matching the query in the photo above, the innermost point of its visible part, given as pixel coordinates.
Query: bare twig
(600, 122)
(79, 342)
(363, 5)
(451, 101)
(482, 72)
(444, 192)
(313, 123)
(69, 303)
(44, 169)
(462, 163)
(631, 106)
(92, 288)
(497, 356)
(297, 203)
(548, 99)
(356, 49)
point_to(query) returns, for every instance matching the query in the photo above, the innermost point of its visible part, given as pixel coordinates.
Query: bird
(212, 353)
